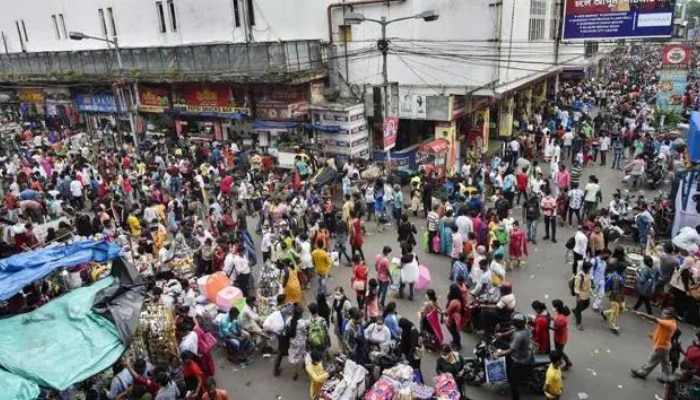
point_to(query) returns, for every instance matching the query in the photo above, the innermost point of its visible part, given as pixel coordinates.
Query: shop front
(102, 116)
(60, 109)
(207, 112)
(481, 111)
(280, 111)
(9, 106)
(31, 105)
(153, 123)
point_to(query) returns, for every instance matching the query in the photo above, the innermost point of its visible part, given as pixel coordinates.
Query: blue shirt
(229, 328)
(393, 325)
(27, 194)
(598, 271)
(459, 269)
(302, 167)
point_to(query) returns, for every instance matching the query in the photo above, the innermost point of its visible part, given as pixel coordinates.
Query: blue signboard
(617, 19)
(672, 83)
(97, 102)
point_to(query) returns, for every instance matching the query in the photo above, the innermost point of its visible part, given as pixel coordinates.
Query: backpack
(571, 243)
(612, 282)
(317, 334)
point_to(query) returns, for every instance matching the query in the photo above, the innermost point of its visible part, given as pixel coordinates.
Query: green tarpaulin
(17, 388)
(62, 342)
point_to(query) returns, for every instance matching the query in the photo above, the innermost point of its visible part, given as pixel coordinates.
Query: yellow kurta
(292, 290)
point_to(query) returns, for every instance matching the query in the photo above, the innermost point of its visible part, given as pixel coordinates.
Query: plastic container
(226, 298)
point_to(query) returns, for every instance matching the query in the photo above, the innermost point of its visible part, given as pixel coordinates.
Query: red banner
(391, 129)
(155, 100)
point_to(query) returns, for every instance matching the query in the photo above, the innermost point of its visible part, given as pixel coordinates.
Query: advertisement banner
(59, 95)
(32, 96)
(391, 128)
(675, 56)
(153, 100)
(8, 97)
(209, 98)
(458, 106)
(672, 83)
(96, 102)
(617, 19)
(413, 106)
(281, 102)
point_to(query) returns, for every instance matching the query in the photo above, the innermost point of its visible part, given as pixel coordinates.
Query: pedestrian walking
(582, 292)
(560, 325)
(549, 210)
(666, 326)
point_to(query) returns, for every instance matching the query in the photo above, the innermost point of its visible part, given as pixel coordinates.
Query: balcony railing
(266, 61)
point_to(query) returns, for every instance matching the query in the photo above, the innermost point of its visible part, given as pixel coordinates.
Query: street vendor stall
(432, 157)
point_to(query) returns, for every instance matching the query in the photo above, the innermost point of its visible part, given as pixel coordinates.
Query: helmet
(519, 319)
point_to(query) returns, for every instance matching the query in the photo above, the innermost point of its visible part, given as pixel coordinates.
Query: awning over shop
(436, 146)
(19, 270)
(261, 124)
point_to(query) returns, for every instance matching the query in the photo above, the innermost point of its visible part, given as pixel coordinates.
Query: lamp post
(383, 47)
(115, 42)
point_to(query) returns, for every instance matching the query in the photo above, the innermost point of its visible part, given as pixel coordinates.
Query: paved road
(601, 360)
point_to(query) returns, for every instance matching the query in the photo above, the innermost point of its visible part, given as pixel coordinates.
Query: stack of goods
(399, 382)
(268, 283)
(183, 267)
(446, 387)
(155, 338)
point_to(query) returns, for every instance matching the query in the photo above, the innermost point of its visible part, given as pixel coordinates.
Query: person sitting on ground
(233, 335)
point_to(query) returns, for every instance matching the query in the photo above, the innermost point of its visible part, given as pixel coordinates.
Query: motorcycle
(475, 367)
(655, 173)
(663, 211)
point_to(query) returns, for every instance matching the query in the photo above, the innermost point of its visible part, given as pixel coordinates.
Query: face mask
(337, 296)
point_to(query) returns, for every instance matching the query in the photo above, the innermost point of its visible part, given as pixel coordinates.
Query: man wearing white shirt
(604, 147)
(580, 246)
(76, 190)
(464, 225)
(228, 263)
(241, 267)
(688, 239)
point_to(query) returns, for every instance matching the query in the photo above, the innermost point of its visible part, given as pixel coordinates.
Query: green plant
(670, 117)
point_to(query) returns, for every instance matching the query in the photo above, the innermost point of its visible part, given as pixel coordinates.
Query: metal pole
(119, 56)
(384, 47)
(132, 125)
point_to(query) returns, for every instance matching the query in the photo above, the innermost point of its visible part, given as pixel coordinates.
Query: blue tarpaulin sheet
(62, 342)
(17, 388)
(694, 137)
(18, 271)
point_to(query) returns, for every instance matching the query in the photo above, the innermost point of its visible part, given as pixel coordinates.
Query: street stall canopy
(17, 388)
(76, 335)
(436, 146)
(19, 270)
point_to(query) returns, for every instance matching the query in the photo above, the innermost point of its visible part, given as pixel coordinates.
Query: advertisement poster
(391, 128)
(153, 100)
(617, 19)
(412, 106)
(672, 83)
(31, 96)
(8, 97)
(282, 103)
(58, 95)
(96, 102)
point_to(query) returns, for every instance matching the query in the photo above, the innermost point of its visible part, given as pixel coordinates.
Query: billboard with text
(617, 19)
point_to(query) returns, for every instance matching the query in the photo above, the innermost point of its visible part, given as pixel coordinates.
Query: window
(161, 16)
(173, 17)
(112, 24)
(251, 13)
(63, 26)
(24, 30)
(55, 26)
(554, 20)
(538, 15)
(103, 23)
(236, 14)
(590, 49)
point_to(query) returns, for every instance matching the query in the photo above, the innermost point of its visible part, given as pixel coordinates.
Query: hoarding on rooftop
(617, 19)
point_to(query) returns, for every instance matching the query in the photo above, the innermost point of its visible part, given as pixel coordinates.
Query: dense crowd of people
(483, 219)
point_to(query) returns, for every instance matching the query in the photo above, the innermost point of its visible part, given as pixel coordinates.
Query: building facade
(227, 62)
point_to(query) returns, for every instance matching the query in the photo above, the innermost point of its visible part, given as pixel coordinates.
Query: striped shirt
(432, 221)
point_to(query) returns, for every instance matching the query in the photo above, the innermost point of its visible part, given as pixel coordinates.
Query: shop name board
(154, 100)
(208, 98)
(102, 103)
(346, 144)
(200, 109)
(33, 96)
(279, 111)
(617, 19)
(675, 56)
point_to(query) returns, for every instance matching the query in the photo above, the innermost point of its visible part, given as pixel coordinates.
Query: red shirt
(192, 370)
(692, 354)
(454, 314)
(521, 181)
(540, 333)
(561, 329)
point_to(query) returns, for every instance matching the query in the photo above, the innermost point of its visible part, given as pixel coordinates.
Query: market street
(601, 360)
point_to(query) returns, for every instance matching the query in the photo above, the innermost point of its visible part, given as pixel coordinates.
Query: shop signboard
(153, 99)
(458, 106)
(58, 95)
(413, 106)
(8, 97)
(209, 98)
(31, 96)
(391, 128)
(96, 102)
(617, 19)
(282, 103)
